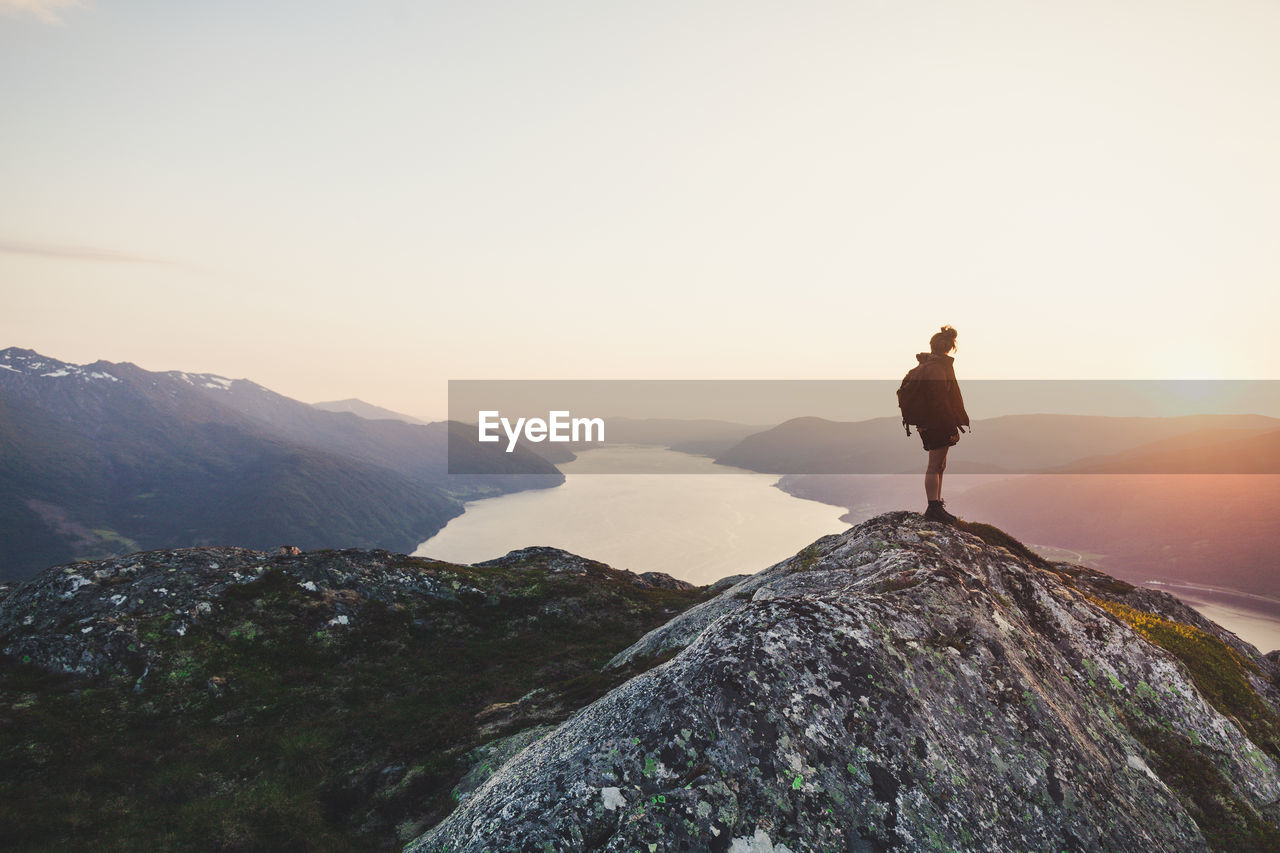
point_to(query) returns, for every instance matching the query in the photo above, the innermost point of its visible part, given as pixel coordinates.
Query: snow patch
(612, 798)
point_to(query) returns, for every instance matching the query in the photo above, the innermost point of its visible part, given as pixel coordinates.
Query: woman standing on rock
(930, 399)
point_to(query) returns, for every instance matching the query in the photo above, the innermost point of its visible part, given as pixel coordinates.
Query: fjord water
(709, 521)
(701, 524)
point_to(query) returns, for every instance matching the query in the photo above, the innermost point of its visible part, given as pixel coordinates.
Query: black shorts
(936, 438)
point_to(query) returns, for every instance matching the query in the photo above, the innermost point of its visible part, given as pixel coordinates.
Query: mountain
(1011, 443)
(811, 445)
(908, 686)
(904, 686)
(1210, 451)
(227, 699)
(107, 458)
(366, 410)
(699, 436)
(704, 436)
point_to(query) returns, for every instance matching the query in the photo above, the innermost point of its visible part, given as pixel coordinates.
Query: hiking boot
(937, 512)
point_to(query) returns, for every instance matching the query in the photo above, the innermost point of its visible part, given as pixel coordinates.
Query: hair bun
(943, 341)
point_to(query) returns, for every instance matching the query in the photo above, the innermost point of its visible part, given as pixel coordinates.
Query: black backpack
(915, 395)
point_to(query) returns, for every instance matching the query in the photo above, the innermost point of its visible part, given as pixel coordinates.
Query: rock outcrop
(561, 562)
(907, 686)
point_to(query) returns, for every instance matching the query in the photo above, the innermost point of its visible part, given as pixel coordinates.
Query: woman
(945, 418)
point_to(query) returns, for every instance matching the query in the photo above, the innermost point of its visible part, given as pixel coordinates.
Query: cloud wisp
(49, 11)
(54, 251)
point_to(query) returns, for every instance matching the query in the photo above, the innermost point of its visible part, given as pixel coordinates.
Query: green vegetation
(267, 727)
(110, 544)
(1217, 670)
(1229, 824)
(996, 537)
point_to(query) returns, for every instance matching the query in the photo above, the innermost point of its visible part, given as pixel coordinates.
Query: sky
(368, 199)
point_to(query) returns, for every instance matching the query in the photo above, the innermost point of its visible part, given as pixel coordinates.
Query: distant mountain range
(700, 436)
(366, 410)
(1022, 444)
(107, 458)
(1203, 451)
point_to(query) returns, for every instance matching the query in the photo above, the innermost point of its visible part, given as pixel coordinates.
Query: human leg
(933, 486)
(933, 473)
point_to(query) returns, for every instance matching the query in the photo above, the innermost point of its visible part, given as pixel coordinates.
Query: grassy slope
(267, 728)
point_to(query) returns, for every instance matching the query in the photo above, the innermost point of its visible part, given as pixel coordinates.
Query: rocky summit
(906, 686)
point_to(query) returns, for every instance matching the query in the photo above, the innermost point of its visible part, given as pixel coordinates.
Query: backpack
(915, 395)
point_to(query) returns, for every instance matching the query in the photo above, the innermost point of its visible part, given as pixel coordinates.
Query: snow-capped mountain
(106, 458)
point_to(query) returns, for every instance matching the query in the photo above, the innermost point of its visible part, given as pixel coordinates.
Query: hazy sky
(367, 199)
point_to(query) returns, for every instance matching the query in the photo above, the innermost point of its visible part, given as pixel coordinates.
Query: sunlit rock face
(908, 686)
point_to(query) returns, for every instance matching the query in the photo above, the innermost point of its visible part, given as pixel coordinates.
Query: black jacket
(945, 401)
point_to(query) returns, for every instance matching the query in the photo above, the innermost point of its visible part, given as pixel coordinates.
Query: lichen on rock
(904, 686)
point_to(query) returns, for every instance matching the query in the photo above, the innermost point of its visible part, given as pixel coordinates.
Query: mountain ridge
(359, 407)
(998, 445)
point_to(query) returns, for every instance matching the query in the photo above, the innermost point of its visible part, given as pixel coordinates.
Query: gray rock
(724, 583)
(906, 686)
(89, 618)
(559, 561)
(662, 580)
(483, 761)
